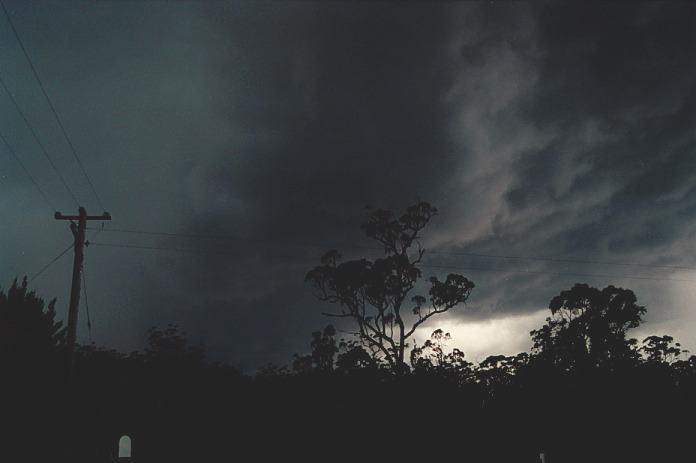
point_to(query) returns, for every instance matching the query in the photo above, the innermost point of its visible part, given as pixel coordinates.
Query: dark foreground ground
(216, 415)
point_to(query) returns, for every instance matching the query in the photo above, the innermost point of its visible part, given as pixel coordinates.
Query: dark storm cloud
(623, 74)
(613, 100)
(535, 134)
(342, 108)
(537, 129)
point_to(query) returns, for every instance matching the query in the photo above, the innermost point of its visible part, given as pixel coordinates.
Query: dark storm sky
(545, 130)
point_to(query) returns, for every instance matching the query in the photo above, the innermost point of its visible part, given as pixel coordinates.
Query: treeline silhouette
(586, 391)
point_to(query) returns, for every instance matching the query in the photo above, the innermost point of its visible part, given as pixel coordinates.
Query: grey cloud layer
(536, 129)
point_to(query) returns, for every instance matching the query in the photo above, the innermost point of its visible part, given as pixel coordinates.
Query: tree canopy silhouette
(324, 349)
(27, 326)
(373, 293)
(662, 349)
(588, 328)
(585, 382)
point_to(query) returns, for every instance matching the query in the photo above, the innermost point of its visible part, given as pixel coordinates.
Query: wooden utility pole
(78, 231)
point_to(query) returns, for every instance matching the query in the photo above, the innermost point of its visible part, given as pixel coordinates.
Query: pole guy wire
(84, 291)
(53, 261)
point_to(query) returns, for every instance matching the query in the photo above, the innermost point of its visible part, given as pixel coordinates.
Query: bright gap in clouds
(510, 335)
(679, 321)
(480, 338)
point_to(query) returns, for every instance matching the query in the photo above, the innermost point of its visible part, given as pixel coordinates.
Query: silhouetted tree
(353, 357)
(661, 349)
(498, 371)
(432, 360)
(171, 345)
(33, 374)
(432, 353)
(31, 339)
(685, 371)
(324, 350)
(373, 293)
(26, 326)
(271, 371)
(588, 327)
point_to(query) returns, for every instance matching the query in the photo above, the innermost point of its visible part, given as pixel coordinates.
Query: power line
(26, 171)
(568, 261)
(483, 269)
(540, 272)
(222, 237)
(158, 233)
(37, 139)
(50, 104)
(99, 230)
(161, 248)
(445, 253)
(84, 290)
(55, 259)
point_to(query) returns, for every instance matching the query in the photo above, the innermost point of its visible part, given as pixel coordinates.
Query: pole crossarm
(104, 216)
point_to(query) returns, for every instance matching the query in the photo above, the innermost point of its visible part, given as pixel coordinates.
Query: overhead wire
(445, 253)
(53, 261)
(540, 272)
(466, 268)
(13, 153)
(159, 233)
(38, 140)
(161, 248)
(563, 260)
(50, 104)
(211, 236)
